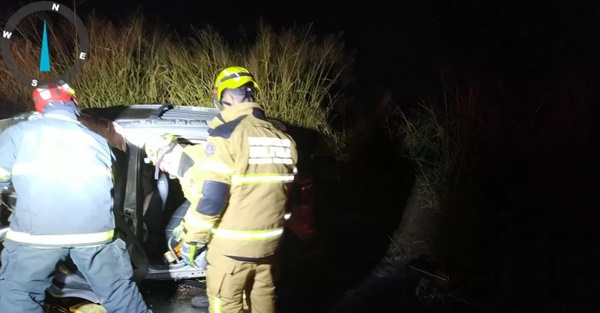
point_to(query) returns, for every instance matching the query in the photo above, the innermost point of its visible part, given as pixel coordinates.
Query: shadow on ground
(355, 219)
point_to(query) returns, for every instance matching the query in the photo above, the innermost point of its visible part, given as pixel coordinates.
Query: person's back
(264, 165)
(62, 173)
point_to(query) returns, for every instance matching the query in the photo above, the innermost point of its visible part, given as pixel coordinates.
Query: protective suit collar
(67, 109)
(240, 109)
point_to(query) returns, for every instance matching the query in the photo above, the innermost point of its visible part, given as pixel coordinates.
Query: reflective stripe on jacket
(63, 240)
(62, 174)
(240, 180)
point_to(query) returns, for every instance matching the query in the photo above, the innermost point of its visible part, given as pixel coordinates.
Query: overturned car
(147, 203)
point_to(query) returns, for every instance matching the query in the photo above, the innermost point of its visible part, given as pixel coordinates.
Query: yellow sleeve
(209, 184)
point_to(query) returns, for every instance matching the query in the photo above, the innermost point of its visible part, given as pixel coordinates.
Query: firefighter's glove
(189, 252)
(157, 146)
(178, 232)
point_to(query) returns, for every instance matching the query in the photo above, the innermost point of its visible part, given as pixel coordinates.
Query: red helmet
(52, 93)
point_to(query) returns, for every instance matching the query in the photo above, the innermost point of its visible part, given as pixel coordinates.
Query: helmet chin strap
(217, 104)
(220, 105)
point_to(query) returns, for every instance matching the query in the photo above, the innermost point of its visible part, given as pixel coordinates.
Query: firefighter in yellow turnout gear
(238, 185)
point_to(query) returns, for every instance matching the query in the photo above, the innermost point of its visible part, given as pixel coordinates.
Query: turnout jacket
(238, 182)
(62, 174)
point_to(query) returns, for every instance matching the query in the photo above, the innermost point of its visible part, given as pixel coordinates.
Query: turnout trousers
(27, 272)
(228, 279)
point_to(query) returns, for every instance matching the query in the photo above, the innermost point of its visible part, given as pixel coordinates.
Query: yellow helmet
(231, 78)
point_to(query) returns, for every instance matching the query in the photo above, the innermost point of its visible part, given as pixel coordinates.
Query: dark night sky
(402, 44)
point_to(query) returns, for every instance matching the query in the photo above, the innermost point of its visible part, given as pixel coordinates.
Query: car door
(126, 206)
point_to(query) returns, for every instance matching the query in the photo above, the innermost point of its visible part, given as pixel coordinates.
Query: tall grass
(435, 138)
(130, 63)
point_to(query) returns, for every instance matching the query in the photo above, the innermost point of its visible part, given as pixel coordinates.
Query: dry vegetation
(128, 63)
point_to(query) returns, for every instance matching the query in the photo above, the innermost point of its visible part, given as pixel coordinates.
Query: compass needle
(45, 55)
(82, 41)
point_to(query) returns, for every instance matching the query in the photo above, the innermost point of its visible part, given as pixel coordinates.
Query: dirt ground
(161, 297)
(383, 288)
